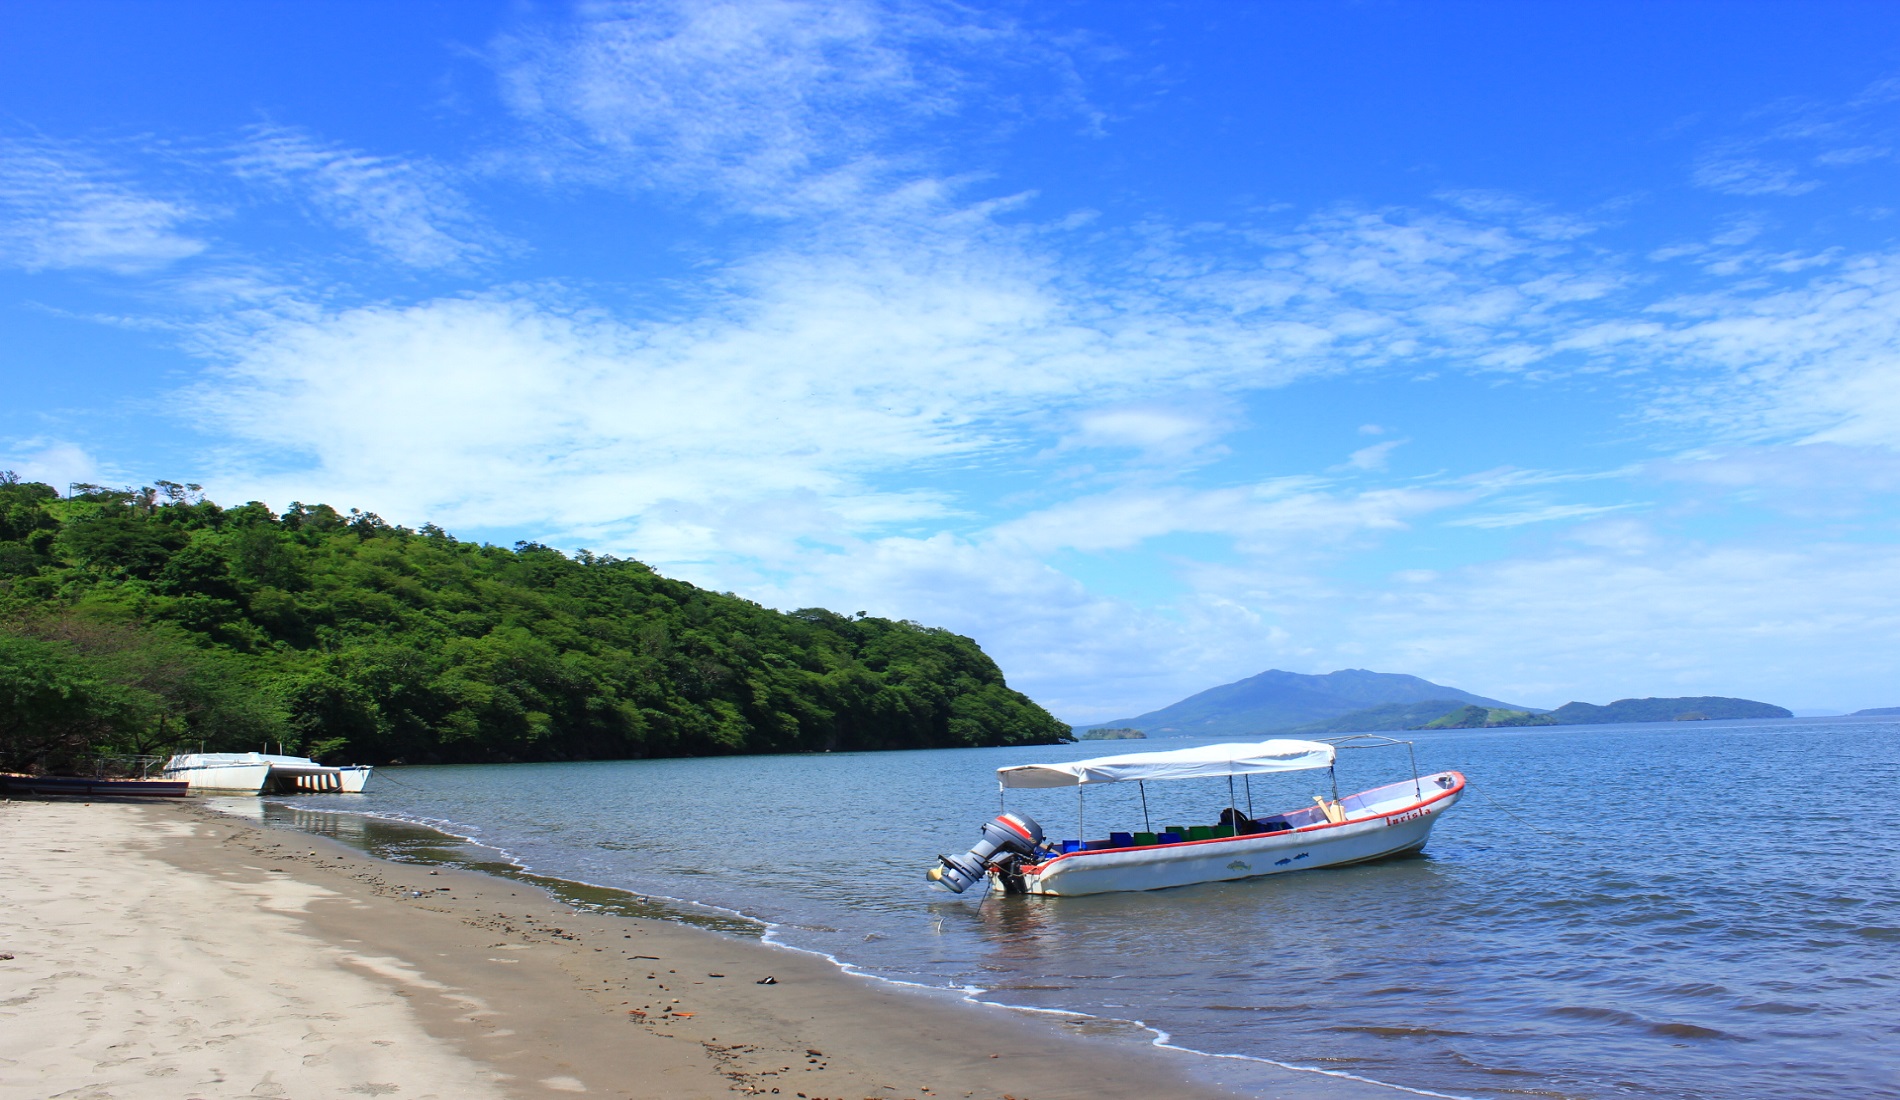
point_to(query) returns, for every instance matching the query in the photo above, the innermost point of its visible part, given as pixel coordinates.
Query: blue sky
(1550, 351)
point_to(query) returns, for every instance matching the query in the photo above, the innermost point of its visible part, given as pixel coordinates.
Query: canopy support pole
(1143, 788)
(1080, 835)
(1231, 805)
(1247, 780)
(1335, 774)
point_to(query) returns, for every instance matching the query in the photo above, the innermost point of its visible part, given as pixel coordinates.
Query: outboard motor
(1006, 839)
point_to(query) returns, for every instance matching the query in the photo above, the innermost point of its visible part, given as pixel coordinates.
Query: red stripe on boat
(1015, 828)
(1439, 797)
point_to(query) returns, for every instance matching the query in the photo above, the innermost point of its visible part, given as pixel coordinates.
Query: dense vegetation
(1436, 714)
(1484, 718)
(141, 622)
(1387, 716)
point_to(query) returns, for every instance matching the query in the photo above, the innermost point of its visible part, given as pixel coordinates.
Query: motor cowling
(1006, 838)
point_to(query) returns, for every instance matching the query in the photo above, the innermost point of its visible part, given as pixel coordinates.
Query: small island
(1108, 733)
(1476, 717)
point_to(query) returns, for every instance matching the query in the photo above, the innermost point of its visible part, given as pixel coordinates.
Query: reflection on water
(405, 842)
(1612, 911)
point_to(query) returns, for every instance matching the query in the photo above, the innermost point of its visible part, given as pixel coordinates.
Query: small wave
(1778, 1008)
(1692, 1031)
(1399, 1032)
(1671, 1030)
(1696, 989)
(1591, 1012)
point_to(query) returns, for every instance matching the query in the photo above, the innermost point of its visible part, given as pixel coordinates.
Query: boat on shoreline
(1389, 820)
(264, 773)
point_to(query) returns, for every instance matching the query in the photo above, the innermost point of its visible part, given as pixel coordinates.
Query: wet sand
(165, 951)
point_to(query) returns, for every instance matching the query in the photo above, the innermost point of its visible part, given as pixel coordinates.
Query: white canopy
(1203, 762)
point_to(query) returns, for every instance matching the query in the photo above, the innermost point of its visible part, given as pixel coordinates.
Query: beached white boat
(1384, 821)
(263, 773)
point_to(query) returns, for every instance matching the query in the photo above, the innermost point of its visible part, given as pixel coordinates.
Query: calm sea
(1707, 910)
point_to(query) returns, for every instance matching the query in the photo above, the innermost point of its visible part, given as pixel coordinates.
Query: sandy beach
(168, 952)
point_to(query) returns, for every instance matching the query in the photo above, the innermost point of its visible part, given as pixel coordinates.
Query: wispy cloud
(404, 207)
(823, 409)
(1542, 513)
(1374, 457)
(1825, 137)
(53, 461)
(1742, 175)
(1817, 360)
(1656, 616)
(774, 105)
(1294, 515)
(61, 207)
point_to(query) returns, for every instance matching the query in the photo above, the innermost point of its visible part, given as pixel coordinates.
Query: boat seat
(1237, 823)
(1121, 840)
(1166, 837)
(1200, 832)
(1143, 840)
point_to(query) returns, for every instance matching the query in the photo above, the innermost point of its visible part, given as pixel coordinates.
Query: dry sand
(166, 952)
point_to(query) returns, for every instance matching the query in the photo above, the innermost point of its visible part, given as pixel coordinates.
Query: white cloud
(1170, 431)
(1818, 360)
(1751, 176)
(812, 369)
(775, 105)
(785, 426)
(61, 208)
(404, 207)
(1858, 154)
(1290, 515)
(1541, 513)
(1374, 457)
(1807, 480)
(1661, 617)
(55, 462)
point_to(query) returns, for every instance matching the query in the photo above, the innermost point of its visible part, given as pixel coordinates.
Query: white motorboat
(1385, 821)
(264, 773)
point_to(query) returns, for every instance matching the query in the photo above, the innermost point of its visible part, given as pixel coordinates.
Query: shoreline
(1247, 1070)
(486, 985)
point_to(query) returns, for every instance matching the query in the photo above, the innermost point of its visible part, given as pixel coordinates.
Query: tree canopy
(143, 621)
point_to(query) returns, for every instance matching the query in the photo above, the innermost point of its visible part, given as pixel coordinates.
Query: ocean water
(1684, 910)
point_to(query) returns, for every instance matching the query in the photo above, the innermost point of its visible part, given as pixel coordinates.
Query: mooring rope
(1506, 811)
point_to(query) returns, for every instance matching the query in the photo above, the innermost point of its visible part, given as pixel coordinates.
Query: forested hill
(142, 622)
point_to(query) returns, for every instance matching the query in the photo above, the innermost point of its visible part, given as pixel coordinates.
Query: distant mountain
(1687, 709)
(1875, 712)
(1277, 702)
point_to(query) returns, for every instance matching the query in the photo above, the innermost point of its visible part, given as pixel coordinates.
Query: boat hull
(92, 788)
(1367, 836)
(257, 773)
(223, 778)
